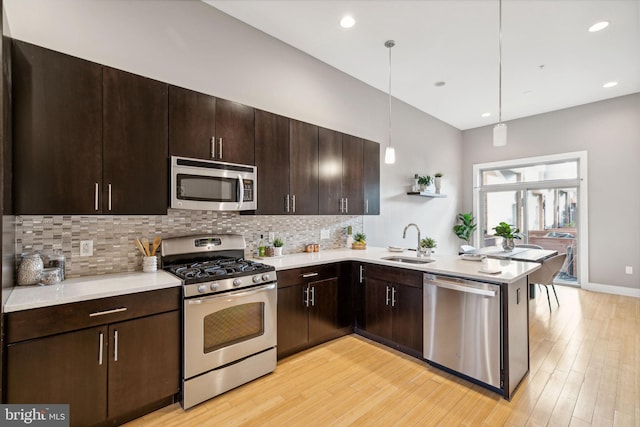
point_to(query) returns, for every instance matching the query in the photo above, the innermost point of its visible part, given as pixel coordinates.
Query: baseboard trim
(608, 289)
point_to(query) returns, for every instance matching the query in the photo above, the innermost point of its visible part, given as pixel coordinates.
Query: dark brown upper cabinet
(205, 127)
(88, 139)
(352, 165)
(57, 131)
(135, 141)
(371, 177)
(303, 169)
(272, 161)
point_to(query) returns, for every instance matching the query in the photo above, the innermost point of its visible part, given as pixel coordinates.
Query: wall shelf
(425, 194)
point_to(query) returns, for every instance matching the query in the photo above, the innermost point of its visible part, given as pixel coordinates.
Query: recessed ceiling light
(486, 114)
(598, 26)
(347, 21)
(439, 84)
(610, 84)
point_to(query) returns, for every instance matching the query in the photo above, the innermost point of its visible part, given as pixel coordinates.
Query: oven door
(221, 329)
(205, 185)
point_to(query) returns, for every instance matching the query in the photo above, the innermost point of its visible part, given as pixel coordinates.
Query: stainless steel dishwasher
(462, 327)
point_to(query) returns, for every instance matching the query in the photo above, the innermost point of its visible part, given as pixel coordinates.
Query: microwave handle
(241, 186)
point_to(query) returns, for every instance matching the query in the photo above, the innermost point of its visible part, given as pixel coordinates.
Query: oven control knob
(265, 277)
(256, 279)
(237, 282)
(213, 286)
(202, 289)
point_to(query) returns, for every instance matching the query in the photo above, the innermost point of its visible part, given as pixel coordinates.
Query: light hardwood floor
(585, 371)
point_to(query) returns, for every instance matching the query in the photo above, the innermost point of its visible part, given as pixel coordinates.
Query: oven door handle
(232, 294)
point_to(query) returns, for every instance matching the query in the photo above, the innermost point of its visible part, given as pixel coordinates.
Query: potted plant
(508, 234)
(278, 245)
(424, 182)
(437, 181)
(464, 230)
(360, 241)
(427, 244)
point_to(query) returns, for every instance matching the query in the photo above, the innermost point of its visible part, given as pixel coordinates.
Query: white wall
(193, 45)
(610, 133)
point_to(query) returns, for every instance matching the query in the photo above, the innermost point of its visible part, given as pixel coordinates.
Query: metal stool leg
(554, 292)
(548, 299)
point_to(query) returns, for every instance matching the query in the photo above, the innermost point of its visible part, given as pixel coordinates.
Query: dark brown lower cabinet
(392, 307)
(308, 307)
(109, 373)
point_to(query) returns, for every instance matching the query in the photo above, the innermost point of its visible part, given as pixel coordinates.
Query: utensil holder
(149, 264)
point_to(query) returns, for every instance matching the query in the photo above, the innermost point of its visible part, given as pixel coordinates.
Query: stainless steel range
(229, 314)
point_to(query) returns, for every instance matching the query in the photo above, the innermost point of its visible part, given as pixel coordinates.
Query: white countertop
(452, 265)
(88, 288)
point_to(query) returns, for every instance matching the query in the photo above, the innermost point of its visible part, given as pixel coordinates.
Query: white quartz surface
(453, 265)
(87, 288)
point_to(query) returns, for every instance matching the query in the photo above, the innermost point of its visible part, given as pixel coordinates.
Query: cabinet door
(57, 131)
(371, 177)
(352, 175)
(135, 139)
(330, 172)
(292, 319)
(303, 164)
(235, 126)
(144, 361)
(377, 307)
(323, 308)
(408, 317)
(191, 123)
(272, 161)
(65, 368)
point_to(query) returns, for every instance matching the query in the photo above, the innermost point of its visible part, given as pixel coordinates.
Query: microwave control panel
(248, 190)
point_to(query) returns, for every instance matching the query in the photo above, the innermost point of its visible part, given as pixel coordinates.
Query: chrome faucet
(404, 235)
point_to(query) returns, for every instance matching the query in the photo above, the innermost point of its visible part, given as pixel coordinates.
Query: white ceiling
(549, 61)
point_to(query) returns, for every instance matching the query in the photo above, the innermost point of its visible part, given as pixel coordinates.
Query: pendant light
(500, 130)
(390, 152)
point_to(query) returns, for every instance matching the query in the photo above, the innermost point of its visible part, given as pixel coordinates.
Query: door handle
(393, 297)
(293, 203)
(102, 313)
(97, 189)
(346, 205)
(220, 148)
(100, 347)
(305, 300)
(109, 196)
(313, 296)
(366, 206)
(286, 203)
(361, 273)
(387, 297)
(213, 147)
(115, 345)
(305, 275)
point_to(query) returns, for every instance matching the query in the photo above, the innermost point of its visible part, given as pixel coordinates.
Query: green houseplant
(465, 227)
(278, 245)
(360, 241)
(427, 244)
(424, 181)
(508, 234)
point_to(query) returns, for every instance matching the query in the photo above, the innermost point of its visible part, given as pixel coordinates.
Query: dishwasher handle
(442, 282)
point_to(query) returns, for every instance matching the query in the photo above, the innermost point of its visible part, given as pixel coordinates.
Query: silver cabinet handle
(102, 313)
(346, 205)
(366, 206)
(213, 147)
(109, 196)
(393, 297)
(220, 148)
(238, 294)
(306, 297)
(293, 203)
(313, 296)
(100, 347)
(115, 345)
(340, 208)
(361, 273)
(96, 197)
(387, 297)
(286, 204)
(305, 275)
(443, 283)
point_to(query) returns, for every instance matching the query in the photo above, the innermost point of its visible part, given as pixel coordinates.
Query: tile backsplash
(113, 236)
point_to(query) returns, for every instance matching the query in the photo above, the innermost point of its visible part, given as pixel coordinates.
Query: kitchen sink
(408, 260)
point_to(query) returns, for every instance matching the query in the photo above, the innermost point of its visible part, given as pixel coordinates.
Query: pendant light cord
(500, 62)
(389, 44)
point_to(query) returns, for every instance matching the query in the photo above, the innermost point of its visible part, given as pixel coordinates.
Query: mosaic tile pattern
(113, 236)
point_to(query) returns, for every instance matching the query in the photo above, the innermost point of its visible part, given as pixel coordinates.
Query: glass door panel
(501, 206)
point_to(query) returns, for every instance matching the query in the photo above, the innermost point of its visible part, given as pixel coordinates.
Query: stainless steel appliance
(229, 314)
(462, 327)
(213, 186)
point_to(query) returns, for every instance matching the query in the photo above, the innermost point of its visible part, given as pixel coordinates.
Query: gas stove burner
(215, 271)
(187, 272)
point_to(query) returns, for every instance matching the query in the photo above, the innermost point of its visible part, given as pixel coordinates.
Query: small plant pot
(508, 244)
(277, 251)
(359, 245)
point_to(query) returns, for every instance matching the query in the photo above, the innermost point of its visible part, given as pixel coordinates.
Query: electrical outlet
(324, 234)
(272, 236)
(628, 269)
(86, 248)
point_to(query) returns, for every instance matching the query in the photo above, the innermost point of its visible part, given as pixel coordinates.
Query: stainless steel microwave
(213, 186)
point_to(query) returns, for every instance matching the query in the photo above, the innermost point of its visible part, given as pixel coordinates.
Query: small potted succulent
(359, 241)
(427, 245)
(278, 244)
(424, 182)
(508, 234)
